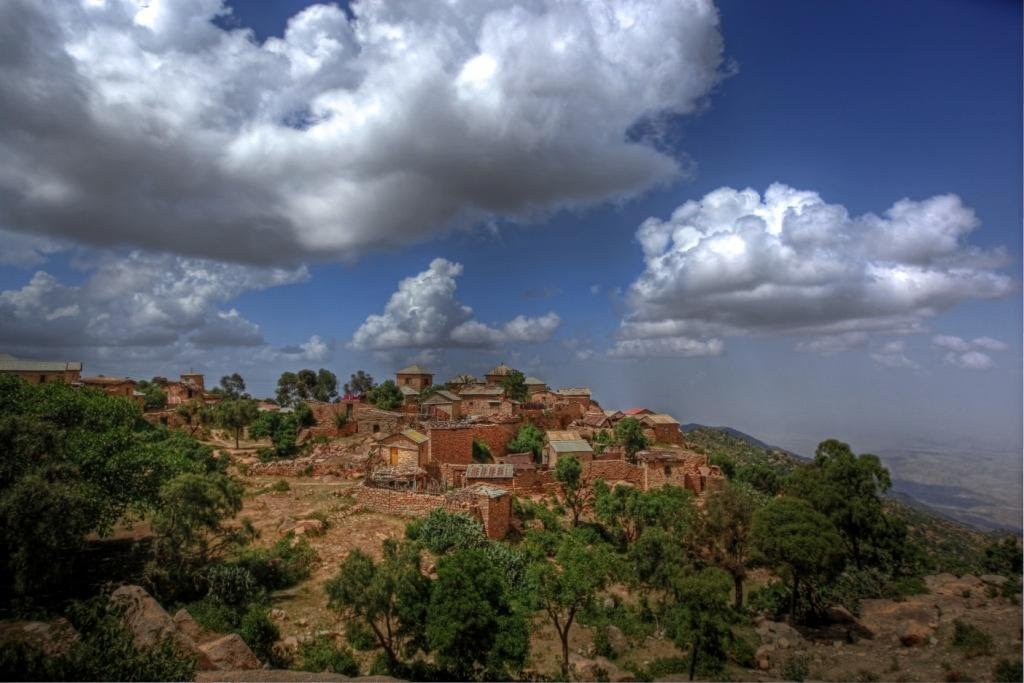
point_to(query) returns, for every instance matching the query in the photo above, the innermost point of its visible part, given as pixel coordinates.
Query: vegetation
(153, 395)
(385, 395)
(235, 415)
(481, 451)
(629, 434)
(321, 654)
(529, 439)
(972, 640)
(575, 490)
(515, 387)
(281, 428)
(723, 532)
(359, 383)
(232, 386)
(306, 385)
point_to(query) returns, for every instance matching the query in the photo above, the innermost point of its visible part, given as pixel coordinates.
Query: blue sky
(863, 103)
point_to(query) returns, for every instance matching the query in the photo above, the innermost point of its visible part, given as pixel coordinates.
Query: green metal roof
(574, 446)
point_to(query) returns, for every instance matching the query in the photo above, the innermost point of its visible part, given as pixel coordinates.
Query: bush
(360, 636)
(233, 585)
(322, 654)
(772, 600)
(796, 668)
(481, 451)
(282, 565)
(742, 652)
(259, 632)
(971, 639)
(280, 486)
(666, 666)
(1008, 672)
(441, 531)
(213, 615)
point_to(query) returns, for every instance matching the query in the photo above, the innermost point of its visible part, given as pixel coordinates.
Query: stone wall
(450, 444)
(494, 513)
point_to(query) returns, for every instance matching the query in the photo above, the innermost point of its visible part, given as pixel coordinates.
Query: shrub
(666, 666)
(340, 420)
(233, 585)
(441, 531)
(322, 654)
(213, 615)
(742, 651)
(971, 639)
(259, 632)
(602, 645)
(282, 565)
(1007, 671)
(280, 486)
(796, 668)
(481, 451)
(772, 600)
(360, 636)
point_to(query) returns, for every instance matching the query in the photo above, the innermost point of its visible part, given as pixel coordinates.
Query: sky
(799, 219)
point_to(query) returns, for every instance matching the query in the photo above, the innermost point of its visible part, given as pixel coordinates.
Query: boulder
(188, 625)
(763, 657)
(993, 579)
(150, 625)
(913, 633)
(837, 614)
(229, 653)
(617, 639)
(53, 638)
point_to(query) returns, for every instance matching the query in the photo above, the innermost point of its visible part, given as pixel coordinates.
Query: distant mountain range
(742, 436)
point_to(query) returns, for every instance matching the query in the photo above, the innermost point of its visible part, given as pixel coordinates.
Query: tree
(326, 388)
(473, 628)
(798, 542)
(481, 451)
(1004, 556)
(629, 433)
(627, 511)
(390, 597)
(193, 413)
(360, 383)
(287, 389)
(575, 491)
(515, 387)
(700, 620)
(528, 439)
(233, 386)
(281, 428)
(568, 583)
(848, 489)
(153, 396)
(236, 415)
(602, 440)
(723, 532)
(385, 395)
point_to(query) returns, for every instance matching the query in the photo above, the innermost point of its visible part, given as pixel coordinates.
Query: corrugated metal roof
(574, 391)
(414, 370)
(562, 435)
(574, 446)
(489, 471)
(408, 391)
(482, 391)
(660, 419)
(21, 365)
(440, 396)
(414, 436)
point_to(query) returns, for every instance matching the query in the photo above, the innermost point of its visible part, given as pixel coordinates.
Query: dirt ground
(304, 613)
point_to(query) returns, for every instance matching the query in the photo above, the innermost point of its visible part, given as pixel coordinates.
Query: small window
(668, 470)
(407, 381)
(42, 379)
(376, 428)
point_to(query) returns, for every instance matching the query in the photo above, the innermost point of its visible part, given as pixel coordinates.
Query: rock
(617, 639)
(913, 633)
(993, 579)
(53, 638)
(278, 614)
(230, 652)
(151, 625)
(609, 603)
(312, 527)
(837, 614)
(188, 625)
(763, 657)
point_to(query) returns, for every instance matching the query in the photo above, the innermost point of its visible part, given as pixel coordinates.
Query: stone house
(41, 371)
(562, 443)
(492, 504)
(407, 447)
(410, 398)
(489, 473)
(483, 400)
(190, 386)
(663, 428)
(535, 386)
(636, 412)
(441, 405)
(460, 382)
(496, 375)
(115, 386)
(414, 376)
(678, 468)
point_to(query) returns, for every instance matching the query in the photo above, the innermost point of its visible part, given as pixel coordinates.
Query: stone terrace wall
(495, 514)
(616, 470)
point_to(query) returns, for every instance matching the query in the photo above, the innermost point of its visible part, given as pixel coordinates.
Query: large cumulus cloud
(423, 313)
(739, 263)
(144, 123)
(139, 301)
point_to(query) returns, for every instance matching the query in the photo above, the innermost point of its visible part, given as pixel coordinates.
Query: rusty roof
(562, 435)
(489, 471)
(660, 419)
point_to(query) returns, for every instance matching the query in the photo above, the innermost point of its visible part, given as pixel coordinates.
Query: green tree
(527, 439)
(515, 387)
(281, 428)
(287, 389)
(575, 490)
(360, 383)
(700, 620)
(192, 412)
(567, 583)
(473, 628)
(602, 440)
(723, 532)
(233, 386)
(1003, 556)
(629, 433)
(235, 415)
(481, 451)
(390, 597)
(326, 388)
(385, 395)
(848, 489)
(153, 395)
(799, 542)
(627, 511)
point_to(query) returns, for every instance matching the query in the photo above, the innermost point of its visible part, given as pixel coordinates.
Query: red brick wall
(496, 436)
(450, 445)
(615, 471)
(667, 434)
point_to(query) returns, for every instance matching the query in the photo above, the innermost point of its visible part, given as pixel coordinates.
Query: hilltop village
(444, 444)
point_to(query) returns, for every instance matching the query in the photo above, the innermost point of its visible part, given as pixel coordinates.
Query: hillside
(952, 546)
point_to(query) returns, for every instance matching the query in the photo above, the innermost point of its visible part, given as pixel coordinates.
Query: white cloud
(140, 300)
(968, 355)
(666, 347)
(736, 263)
(892, 354)
(314, 350)
(146, 124)
(424, 313)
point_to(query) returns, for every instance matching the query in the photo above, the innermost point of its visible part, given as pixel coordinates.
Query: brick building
(663, 428)
(115, 386)
(563, 443)
(497, 374)
(190, 386)
(441, 405)
(484, 400)
(414, 376)
(41, 371)
(535, 386)
(407, 447)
